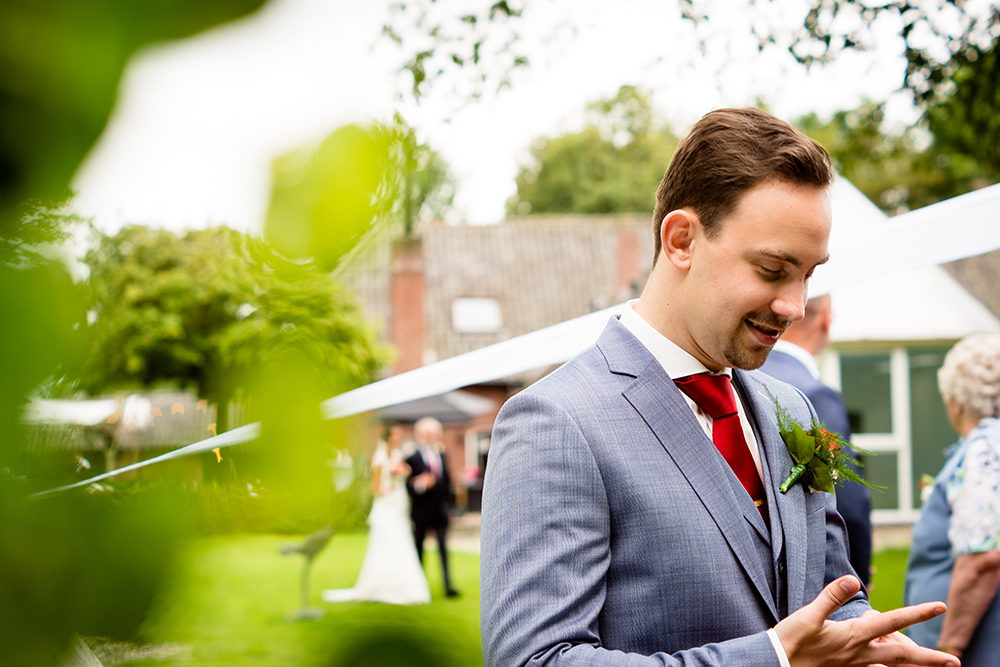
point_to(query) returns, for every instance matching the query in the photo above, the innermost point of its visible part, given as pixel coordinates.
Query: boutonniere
(821, 456)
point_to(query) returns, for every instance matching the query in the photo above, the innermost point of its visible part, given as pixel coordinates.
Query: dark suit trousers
(441, 532)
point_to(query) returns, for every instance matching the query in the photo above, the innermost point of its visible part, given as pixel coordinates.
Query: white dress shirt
(800, 354)
(433, 461)
(678, 363)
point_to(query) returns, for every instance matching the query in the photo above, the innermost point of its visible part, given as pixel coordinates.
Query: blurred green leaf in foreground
(216, 310)
(65, 564)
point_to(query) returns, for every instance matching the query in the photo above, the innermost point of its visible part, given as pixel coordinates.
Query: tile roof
(367, 273)
(980, 275)
(542, 269)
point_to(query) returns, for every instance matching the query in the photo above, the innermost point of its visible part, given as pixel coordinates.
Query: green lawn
(228, 602)
(890, 568)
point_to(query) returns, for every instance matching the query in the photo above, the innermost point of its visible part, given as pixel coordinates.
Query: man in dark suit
(793, 361)
(429, 486)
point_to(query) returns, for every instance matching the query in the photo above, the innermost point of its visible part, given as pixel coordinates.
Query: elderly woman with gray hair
(955, 555)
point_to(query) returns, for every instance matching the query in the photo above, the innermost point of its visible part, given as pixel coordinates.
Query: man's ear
(677, 235)
(826, 317)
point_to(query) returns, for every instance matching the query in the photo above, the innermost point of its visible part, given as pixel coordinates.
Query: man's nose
(790, 303)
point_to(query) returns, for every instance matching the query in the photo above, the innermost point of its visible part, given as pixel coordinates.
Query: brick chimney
(631, 275)
(407, 298)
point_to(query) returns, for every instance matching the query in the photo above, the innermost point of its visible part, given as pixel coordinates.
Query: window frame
(900, 440)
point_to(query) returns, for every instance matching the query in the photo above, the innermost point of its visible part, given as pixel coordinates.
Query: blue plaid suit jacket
(614, 533)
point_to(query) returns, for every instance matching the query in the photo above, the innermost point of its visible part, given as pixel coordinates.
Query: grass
(890, 571)
(229, 598)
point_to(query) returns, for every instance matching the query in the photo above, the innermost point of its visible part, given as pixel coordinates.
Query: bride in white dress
(391, 571)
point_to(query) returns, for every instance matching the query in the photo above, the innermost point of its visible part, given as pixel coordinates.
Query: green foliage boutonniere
(821, 456)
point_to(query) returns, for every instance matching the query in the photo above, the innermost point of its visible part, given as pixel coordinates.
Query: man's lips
(767, 335)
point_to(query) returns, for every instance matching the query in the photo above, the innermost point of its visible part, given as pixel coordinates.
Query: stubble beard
(745, 357)
(750, 356)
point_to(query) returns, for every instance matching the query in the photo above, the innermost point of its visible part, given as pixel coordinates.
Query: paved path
(463, 533)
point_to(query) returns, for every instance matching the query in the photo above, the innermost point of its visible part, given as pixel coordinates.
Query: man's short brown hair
(727, 153)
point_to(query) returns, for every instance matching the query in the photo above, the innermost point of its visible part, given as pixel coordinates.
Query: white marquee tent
(915, 304)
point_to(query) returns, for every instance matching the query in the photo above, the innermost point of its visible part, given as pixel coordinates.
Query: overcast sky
(198, 122)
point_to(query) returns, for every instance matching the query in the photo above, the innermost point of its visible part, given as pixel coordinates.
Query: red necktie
(714, 394)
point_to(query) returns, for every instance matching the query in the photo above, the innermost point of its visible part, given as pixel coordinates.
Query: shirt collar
(800, 354)
(674, 360)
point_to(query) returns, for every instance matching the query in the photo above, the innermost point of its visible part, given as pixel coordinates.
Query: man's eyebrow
(788, 259)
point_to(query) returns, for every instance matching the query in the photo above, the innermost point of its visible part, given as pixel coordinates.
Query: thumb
(833, 597)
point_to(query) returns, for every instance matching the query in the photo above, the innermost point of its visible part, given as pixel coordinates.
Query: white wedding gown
(391, 571)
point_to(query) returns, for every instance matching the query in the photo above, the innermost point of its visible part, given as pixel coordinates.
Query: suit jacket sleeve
(417, 466)
(447, 489)
(545, 552)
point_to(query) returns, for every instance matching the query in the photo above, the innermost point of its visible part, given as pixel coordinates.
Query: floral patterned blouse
(974, 495)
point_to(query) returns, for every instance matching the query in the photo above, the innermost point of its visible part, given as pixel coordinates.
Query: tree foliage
(481, 38)
(325, 198)
(208, 310)
(612, 165)
(32, 228)
(963, 116)
(899, 171)
(426, 186)
(933, 33)
(935, 36)
(949, 47)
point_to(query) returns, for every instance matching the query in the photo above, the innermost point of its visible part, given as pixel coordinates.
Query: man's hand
(810, 639)
(424, 481)
(893, 638)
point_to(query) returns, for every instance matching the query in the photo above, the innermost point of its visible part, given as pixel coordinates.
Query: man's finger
(832, 598)
(907, 645)
(911, 656)
(873, 626)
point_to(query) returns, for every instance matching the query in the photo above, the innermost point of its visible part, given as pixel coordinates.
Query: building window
(476, 315)
(865, 382)
(932, 431)
(896, 413)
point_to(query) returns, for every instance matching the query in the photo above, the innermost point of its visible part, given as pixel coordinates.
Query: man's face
(428, 432)
(396, 437)
(746, 286)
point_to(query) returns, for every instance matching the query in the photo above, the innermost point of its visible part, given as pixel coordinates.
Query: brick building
(455, 289)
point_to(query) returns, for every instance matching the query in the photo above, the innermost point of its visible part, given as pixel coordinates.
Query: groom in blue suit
(631, 511)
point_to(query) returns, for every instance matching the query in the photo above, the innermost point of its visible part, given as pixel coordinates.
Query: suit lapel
(765, 437)
(788, 508)
(660, 404)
